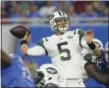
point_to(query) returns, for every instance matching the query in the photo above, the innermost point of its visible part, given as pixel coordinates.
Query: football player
(47, 76)
(102, 61)
(65, 49)
(14, 73)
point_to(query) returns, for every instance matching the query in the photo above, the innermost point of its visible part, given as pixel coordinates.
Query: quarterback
(67, 49)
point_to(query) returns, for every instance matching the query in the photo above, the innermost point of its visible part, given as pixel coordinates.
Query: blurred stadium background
(35, 15)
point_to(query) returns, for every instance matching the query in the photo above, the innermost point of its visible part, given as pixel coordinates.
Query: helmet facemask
(61, 24)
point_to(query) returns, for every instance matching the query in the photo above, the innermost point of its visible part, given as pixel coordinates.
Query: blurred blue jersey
(17, 75)
(102, 63)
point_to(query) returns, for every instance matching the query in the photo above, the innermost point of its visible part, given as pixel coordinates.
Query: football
(19, 31)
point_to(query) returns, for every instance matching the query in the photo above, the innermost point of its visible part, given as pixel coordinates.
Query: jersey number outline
(65, 50)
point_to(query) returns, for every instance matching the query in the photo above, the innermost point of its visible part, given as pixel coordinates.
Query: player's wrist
(92, 45)
(23, 42)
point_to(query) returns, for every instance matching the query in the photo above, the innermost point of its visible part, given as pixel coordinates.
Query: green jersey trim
(41, 43)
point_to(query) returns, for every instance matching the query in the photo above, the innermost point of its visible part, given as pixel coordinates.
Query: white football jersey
(65, 52)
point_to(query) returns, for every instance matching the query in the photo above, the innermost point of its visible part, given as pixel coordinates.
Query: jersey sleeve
(82, 40)
(36, 51)
(88, 57)
(86, 51)
(39, 49)
(81, 36)
(42, 43)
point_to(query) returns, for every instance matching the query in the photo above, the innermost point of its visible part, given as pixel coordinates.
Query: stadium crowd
(38, 9)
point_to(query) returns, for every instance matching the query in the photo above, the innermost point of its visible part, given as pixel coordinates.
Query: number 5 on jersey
(64, 50)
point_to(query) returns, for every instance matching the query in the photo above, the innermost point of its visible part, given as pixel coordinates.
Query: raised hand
(89, 36)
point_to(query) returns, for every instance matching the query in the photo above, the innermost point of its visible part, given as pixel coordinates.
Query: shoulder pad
(81, 32)
(45, 39)
(42, 41)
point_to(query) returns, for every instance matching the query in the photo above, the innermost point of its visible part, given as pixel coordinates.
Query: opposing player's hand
(89, 36)
(25, 37)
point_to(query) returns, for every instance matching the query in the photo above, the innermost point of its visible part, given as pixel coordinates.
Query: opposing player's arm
(92, 69)
(86, 41)
(6, 60)
(94, 72)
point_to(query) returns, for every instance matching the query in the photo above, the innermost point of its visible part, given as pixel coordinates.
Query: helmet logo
(51, 70)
